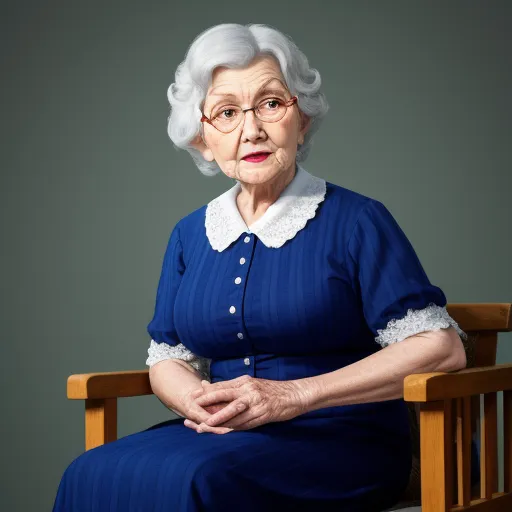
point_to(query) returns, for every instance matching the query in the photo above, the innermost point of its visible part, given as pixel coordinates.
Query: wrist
(307, 393)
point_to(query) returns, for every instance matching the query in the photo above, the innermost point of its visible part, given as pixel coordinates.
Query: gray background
(91, 186)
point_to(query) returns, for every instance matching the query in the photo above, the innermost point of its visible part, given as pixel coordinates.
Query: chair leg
(436, 456)
(100, 421)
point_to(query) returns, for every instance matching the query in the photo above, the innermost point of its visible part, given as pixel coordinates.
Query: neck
(254, 199)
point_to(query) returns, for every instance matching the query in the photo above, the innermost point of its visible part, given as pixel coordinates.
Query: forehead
(262, 72)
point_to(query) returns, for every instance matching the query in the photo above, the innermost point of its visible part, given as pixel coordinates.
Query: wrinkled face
(246, 87)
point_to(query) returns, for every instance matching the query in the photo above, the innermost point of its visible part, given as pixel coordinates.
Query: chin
(259, 173)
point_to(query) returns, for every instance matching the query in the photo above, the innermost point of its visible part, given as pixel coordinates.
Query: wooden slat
(507, 438)
(100, 422)
(475, 427)
(464, 450)
(482, 317)
(489, 447)
(436, 456)
(425, 387)
(485, 348)
(500, 502)
(109, 384)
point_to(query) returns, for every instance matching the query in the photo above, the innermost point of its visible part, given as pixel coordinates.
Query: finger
(222, 395)
(239, 422)
(197, 413)
(203, 427)
(197, 392)
(200, 428)
(245, 425)
(228, 413)
(227, 384)
(244, 421)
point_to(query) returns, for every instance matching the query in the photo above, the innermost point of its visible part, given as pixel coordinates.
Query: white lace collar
(282, 220)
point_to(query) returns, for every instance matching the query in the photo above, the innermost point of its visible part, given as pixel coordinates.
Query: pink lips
(259, 157)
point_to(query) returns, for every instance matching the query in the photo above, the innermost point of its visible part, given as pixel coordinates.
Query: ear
(304, 127)
(199, 144)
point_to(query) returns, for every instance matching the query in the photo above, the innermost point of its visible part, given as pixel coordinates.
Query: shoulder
(348, 196)
(191, 224)
(346, 205)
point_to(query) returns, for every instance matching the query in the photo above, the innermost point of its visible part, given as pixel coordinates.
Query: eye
(222, 110)
(270, 105)
(274, 100)
(227, 110)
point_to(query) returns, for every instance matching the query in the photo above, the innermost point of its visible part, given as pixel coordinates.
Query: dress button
(242, 261)
(247, 361)
(247, 239)
(238, 280)
(240, 335)
(232, 309)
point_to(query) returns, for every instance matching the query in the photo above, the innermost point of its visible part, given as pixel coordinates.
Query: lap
(278, 464)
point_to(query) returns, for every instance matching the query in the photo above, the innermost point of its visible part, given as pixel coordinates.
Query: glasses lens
(227, 119)
(271, 110)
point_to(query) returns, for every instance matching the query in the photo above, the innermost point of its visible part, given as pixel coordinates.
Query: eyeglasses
(263, 111)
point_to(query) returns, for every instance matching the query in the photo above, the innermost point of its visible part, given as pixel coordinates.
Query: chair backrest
(482, 323)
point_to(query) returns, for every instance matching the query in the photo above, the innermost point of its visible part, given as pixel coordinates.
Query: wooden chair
(448, 406)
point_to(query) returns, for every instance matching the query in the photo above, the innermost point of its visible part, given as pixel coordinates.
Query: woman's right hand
(198, 414)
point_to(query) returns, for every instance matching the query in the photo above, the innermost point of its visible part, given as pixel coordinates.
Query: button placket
(239, 280)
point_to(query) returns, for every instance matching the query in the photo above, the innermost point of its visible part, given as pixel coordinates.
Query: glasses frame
(287, 104)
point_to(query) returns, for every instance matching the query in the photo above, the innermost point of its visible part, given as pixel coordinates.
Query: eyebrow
(272, 89)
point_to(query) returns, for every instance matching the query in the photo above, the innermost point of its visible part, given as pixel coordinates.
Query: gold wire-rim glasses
(287, 104)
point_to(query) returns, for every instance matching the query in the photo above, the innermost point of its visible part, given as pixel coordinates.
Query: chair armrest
(490, 316)
(109, 385)
(431, 387)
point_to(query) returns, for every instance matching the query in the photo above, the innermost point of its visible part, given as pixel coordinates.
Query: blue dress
(325, 278)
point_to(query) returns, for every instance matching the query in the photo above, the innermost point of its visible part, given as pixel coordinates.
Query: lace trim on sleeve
(431, 318)
(161, 351)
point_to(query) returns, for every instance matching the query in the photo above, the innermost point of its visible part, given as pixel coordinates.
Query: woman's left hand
(252, 402)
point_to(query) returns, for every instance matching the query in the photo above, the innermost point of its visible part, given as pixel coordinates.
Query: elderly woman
(288, 312)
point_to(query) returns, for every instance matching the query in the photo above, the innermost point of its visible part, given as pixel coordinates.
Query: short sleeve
(397, 297)
(162, 328)
(165, 342)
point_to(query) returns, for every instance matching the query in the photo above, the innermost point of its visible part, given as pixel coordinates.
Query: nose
(252, 128)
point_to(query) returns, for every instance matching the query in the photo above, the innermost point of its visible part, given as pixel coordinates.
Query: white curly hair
(235, 46)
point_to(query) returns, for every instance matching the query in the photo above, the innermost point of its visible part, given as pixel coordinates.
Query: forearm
(170, 380)
(380, 376)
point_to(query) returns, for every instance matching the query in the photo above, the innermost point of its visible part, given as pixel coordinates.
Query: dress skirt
(307, 463)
